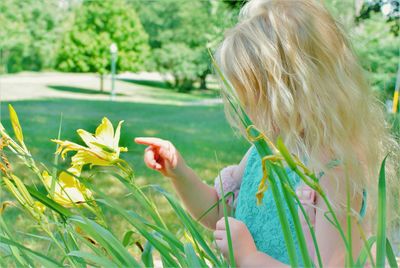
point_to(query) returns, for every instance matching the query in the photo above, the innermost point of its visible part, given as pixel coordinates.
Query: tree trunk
(101, 82)
(4, 61)
(176, 82)
(186, 85)
(203, 81)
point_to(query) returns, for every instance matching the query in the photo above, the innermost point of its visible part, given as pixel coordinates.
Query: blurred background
(71, 62)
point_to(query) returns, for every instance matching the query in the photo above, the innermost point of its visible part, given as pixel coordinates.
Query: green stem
(318, 189)
(310, 227)
(228, 231)
(349, 255)
(264, 150)
(295, 216)
(284, 222)
(337, 224)
(364, 239)
(157, 217)
(143, 200)
(50, 234)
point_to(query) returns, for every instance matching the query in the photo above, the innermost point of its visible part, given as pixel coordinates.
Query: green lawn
(199, 132)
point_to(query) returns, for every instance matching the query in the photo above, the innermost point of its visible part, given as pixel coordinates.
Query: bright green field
(199, 132)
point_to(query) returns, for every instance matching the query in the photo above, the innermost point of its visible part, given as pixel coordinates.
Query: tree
(179, 32)
(378, 51)
(236, 4)
(29, 32)
(98, 24)
(390, 10)
(374, 38)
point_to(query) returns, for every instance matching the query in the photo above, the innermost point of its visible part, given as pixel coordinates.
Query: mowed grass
(199, 132)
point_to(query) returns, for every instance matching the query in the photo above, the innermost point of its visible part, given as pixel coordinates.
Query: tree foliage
(96, 25)
(374, 41)
(28, 34)
(179, 33)
(378, 51)
(75, 36)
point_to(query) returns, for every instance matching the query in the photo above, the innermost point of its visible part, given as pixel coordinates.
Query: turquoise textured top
(263, 221)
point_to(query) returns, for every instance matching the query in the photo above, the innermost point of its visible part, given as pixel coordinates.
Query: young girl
(293, 70)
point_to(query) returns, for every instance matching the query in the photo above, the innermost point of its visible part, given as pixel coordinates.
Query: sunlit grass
(197, 131)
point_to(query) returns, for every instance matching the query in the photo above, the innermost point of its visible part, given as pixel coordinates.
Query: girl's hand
(242, 241)
(161, 155)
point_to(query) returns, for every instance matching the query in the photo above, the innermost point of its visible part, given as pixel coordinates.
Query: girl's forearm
(197, 196)
(259, 259)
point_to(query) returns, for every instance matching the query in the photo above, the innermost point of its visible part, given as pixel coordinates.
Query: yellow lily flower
(68, 191)
(102, 147)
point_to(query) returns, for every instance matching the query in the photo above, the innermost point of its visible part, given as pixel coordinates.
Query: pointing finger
(150, 141)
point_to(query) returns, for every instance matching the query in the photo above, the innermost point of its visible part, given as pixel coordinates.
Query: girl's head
(295, 73)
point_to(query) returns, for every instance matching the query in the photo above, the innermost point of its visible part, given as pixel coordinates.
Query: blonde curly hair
(295, 73)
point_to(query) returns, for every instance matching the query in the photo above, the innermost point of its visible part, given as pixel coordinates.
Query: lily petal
(87, 138)
(84, 157)
(105, 133)
(67, 180)
(117, 135)
(66, 146)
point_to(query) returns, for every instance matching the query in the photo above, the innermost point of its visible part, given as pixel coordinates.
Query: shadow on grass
(149, 83)
(80, 90)
(210, 93)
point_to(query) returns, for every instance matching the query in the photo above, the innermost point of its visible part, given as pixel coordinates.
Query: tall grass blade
(19, 257)
(227, 195)
(285, 184)
(228, 230)
(142, 199)
(189, 223)
(113, 246)
(44, 260)
(93, 259)
(56, 157)
(349, 253)
(45, 238)
(127, 239)
(309, 225)
(89, 244)
(147, 255)
(64, 213)
(391, 257)
(133, 219)
(71, 245)
(192, 258)
(362, 257)
(381, 232)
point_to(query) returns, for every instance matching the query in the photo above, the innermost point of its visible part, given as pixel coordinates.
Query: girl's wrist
(180, 172)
